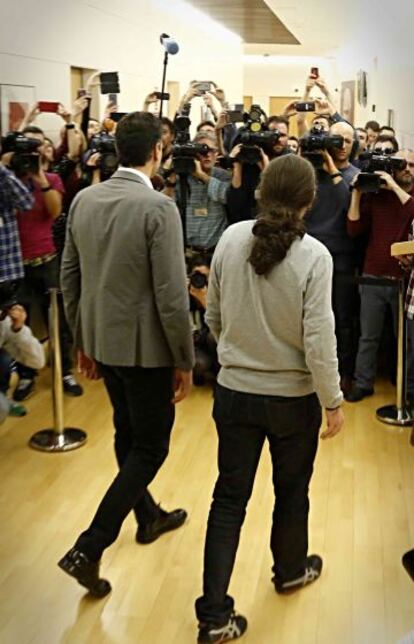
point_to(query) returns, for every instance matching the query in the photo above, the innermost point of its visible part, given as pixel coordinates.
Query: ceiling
(252, 20)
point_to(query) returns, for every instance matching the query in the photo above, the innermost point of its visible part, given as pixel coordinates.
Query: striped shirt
(206, 213)
(13, 196)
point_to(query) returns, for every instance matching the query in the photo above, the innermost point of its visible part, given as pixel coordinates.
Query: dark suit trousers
(143, 419)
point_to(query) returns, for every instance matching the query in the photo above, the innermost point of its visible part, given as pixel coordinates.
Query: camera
(372, 162)
(25, 158)
(184, 151)
(198, 279)
(318, 140)
(254, 135)
(105, 145)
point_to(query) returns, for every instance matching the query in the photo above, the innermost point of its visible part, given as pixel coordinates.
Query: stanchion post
(60, 438)
(399, 414)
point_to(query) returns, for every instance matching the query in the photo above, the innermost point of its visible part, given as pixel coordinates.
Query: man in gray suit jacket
(126, 300)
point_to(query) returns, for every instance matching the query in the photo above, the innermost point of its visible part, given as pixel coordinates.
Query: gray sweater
(276, 333)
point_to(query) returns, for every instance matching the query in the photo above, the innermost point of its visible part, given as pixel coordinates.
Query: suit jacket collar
(130, 176)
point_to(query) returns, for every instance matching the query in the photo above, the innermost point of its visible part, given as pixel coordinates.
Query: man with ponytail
(269, 307)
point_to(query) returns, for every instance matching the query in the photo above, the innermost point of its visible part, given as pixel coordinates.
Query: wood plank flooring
(362, 521)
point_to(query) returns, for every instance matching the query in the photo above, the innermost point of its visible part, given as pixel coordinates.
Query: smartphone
(307, 106)
(116, 116)
(235, 116)
(81, 92)
(204, 86)
(314, 72)
(113, 98)
(109, 83)
(48, 106)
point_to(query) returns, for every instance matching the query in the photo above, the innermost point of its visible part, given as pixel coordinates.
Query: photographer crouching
(205, 347)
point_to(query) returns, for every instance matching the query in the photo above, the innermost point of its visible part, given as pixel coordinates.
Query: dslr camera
(198, 279)
(317, 140)
(26, 157)
(105, 144)
(184, 151)
(371, 162)
(253, 135)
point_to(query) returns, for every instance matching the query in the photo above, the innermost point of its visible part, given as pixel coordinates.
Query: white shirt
(140, 174)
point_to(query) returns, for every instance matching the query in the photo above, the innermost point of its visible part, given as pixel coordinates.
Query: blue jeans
(244, 421)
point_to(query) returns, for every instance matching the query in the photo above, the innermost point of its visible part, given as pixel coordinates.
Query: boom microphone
(169, 44)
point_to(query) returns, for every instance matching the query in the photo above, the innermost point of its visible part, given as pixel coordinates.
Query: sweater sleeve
(363, 225)
(23, 346)
(213, 313)
(319, 333)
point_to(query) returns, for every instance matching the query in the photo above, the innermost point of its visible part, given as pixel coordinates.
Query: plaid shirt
(13, 196)
(206, 212)
(409, 297)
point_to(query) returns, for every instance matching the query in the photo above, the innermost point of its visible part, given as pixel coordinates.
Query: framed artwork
(15, 101)
(348, 100)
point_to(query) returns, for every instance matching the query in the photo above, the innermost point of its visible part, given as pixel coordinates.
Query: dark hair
(278, 119)
(387, 127)
(136, 135)
(32, 129)
(288, 185)
(166, 121)
(198, 260)
(361, 129)
(295, 138)
(373, 125)
(386, 138)
(203, 124)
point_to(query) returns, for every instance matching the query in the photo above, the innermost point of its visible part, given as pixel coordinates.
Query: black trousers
(35, 286)
(244, 421)
(346, 311)
(143, 419)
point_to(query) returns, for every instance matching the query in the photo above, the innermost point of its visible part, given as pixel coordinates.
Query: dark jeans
(37, 281)
(143, 419)
(374, 303)
(244, 421)
(345, 308)
(6, 362)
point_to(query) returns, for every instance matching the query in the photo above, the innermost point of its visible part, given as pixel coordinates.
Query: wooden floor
(362, 521)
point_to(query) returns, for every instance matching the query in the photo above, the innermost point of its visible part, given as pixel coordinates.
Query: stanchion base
(48, 440)
(391, 415)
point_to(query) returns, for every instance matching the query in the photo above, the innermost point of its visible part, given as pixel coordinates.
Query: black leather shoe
(164, 523)
(86, 572)
(358, 393)
(408, 563)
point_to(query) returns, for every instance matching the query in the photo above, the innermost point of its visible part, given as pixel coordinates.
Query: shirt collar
(140, 174)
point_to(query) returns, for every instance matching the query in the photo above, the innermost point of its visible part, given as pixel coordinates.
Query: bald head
(341, 155)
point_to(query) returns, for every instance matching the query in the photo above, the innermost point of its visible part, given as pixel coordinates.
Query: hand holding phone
(305, 106)
(314, 73)
(48, 106)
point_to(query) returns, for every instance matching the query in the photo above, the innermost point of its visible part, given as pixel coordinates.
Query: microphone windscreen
(170, 45)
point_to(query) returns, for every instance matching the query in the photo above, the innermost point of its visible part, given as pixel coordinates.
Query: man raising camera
(326, 221)
(386, 216)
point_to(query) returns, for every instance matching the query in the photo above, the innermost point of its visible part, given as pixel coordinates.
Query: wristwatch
(46, 189)
(70, 126)
(336, 174)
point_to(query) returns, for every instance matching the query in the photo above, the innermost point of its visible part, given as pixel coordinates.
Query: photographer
(327, 222)
(17, 342)
(208, 186)
(205, 347)
(386, 216)
(279, 124)
(241, 200)
(41, 266)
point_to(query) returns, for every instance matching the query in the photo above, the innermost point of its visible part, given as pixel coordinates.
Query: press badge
(200, 212)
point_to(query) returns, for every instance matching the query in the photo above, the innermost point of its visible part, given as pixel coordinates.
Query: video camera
(8, 297)
(184, 151)
(372, 162)
(317, 140)
(254, 134)
(25, 158)
(105, 144)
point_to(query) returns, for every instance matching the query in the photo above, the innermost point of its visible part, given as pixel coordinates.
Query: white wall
(41, 41)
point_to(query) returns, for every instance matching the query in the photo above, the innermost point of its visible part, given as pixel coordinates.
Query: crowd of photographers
(363, 204)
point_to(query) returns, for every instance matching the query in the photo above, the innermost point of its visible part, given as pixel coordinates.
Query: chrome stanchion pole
(60, 438)
(399, 414)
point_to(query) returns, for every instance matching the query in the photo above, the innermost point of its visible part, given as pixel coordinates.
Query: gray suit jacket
(123, 276)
